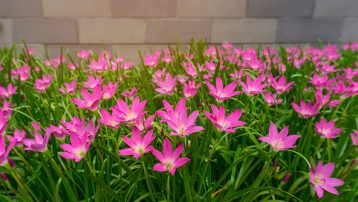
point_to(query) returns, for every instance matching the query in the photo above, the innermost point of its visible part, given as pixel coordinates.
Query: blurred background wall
(128, 25)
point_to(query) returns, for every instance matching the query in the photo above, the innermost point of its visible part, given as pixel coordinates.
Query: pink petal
(334, 182)
(126, 152)
(167, 148)
(180, 162)
(159, 167)
(330, 189)
(273, 131)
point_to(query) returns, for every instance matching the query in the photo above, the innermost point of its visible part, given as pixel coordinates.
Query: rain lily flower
(189, 69)
(169, 159)
(71, 125)
(138, 145)
(223, 122)
(159, 75)
(271, 99)
(190, 89)
(130, 93)
(39, 143)
(321, 180)
(178, 120)
(326, 129)
(354, 137)
(7, 92)
(109, 120)
(77, 149)
(59, 132)
(280, 141)
(5, 114)
(151, 60)
(320, 82)
(99, 65)
(166, 86)
(90, 131)
(220, 92)
(124, 113)
(109, 90)
(83, 54)
(69, 88)
(22, 72)
(90, 101)
(254, 87)
(306, 110)
(42, 84)
(4, 152)
(80, 128)
(143, 125)
(281, 86)
(19, 136)
(92, 82)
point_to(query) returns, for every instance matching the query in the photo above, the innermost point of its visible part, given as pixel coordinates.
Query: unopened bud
(200, 103)
(286, 178)
(4, 177)
(274, 164)
(11, 163)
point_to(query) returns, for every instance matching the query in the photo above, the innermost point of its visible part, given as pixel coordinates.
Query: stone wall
(128, 25)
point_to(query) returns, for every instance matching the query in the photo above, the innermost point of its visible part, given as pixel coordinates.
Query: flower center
(277, 144)
(169, 164)
(139, 149)
(318, 180)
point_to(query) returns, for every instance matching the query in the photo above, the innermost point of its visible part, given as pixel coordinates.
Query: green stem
(147, 181)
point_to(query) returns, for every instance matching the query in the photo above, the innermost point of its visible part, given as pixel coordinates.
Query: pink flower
(109, 120)
(69, 88)
(166, 86)
(151, 60)
(99, 65)
(190, 89)
(189, 69)
(7, 92)
(178, 120)
(306, 110)
(326, 129)
(22, 72)
(71, 126)
(321, 180)
(109, 90)
(280, 141)
(220, 92)
(80, 128)
(90, 101)
(39, 143)
(83, 54)
(42, 84)
(124, 113)
(254, 87)
(19, 136)
(59, 132)
(271, 99)
(138, 145)
(167, 58)
(223, 122)
(130, 93)
(92, 82)
(4, 152)
(142, 124)
(169, 160)
(281, 86)
(354, 137)
(320, 82)
(77, 149)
